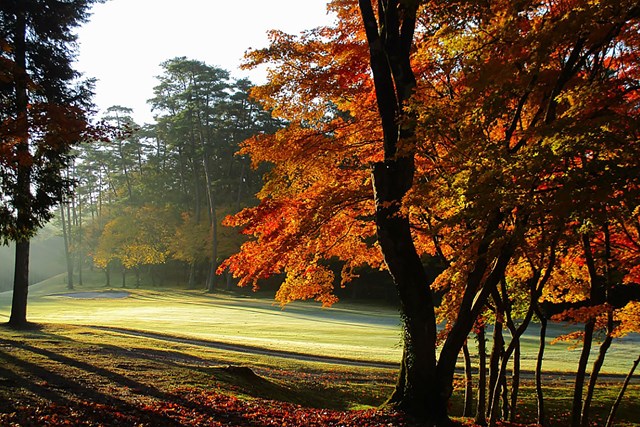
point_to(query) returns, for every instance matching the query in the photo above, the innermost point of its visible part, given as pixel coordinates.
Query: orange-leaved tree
(455, 130)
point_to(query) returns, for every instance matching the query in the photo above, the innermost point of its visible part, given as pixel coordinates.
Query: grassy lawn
(68, 360)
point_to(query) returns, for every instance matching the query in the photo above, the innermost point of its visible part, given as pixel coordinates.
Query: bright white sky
(126, 40)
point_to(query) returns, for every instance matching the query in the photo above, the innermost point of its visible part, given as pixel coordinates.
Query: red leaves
(212, 408)
(192, 407)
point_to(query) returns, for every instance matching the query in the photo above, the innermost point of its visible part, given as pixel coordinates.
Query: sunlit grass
(347, 330)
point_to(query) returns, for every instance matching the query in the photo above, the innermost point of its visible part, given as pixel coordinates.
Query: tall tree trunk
(213, 223)
(481, 409)
(137, 271)
(241, 182)
(79, 243)
(468, 383)
(22, 200)
(20, 284)
(596, 284)
(107, 274)
(191, 281)
(418, 390)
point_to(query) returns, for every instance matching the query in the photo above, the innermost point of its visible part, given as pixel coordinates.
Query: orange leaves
(528, 108)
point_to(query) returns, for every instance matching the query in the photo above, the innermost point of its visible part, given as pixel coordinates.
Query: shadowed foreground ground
(64, 375)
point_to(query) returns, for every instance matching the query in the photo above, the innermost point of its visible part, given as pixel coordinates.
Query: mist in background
(46, 260)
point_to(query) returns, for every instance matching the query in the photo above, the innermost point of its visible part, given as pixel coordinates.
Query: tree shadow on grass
(45, 390)
(65, 391)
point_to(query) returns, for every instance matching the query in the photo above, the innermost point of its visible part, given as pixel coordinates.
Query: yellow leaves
(138, 236)
(314, 281)
(628, 319)
(191, 240)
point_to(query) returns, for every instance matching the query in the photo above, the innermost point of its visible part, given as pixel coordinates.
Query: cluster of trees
(150, 199)
(128, 197)
(484, 153)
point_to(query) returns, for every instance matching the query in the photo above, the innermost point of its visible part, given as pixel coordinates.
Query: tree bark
(22, 200)
(18, 317)
(497, 353)
(597, 291)
(595, 371)
(67, 254)
(515, 383)
(390, 39)
(417, 392)
(542, 419)
(213, 224)
(614, 408)
(468, 376)
(576, 407)
(481, 409)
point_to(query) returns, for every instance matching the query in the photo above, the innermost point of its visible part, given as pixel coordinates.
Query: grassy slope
(355, 331)
(87, 361)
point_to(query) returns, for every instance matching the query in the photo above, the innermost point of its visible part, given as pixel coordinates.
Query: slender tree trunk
(229, 280)
(213, 222)
(67, 254)
(468, 376)
(191, 283)
(596, 283)
(137, 271)
(616, 404)
(542, 419)
(597, 365)
(576, 407)
(515, 382)
(481, 409)
(22, 201)
(497, 352)
(107, 274)
(80, 245)
(505, 395)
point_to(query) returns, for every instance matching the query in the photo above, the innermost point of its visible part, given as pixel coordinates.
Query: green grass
(357, 331)
(362, 333)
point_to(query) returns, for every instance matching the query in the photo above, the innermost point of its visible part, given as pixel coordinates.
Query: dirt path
(248, 349)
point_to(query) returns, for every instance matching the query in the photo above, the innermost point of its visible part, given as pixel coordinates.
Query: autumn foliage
(524, 127)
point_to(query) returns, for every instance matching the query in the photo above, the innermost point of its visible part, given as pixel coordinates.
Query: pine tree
(43, 108)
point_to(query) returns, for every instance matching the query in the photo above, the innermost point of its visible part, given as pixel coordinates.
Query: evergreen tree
(43, 109)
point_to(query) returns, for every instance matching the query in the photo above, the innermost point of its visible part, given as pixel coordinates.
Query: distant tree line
(150, 199)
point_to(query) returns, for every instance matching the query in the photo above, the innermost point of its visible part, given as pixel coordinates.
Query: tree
(482, 131)
(43, 114)
(202, 115)
(138, 237)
